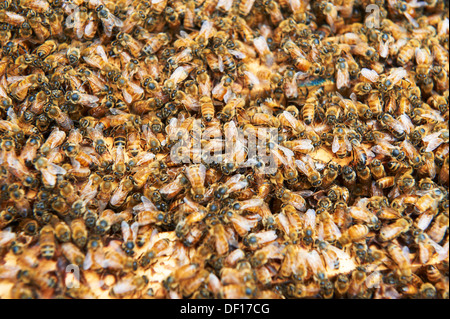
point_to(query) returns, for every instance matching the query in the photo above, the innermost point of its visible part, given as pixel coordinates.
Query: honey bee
(35, 21)
(48, 170)
(158, 249)
(428, 291)
(19, 88)
(401, 257)
(395, 229)
(286, 119)
(196, 176)
(438, 228)
(72, 253)
(207, 108)
(429, 200)
(292, 198)
(47, 241)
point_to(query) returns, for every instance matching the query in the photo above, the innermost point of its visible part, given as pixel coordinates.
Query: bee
(430, 199)
(109, 20)
(441, 78)
(362, 88)
(158, 249)
(207, 108)
(79, 232)
(293, 198)
(47, 48)
(35, 21)
(286, 119)
(433, 274)
(377, 169)
(342, 73)
(11, 18)
(19, 88)
(72, 253)
(61, 231)
(407, 52)
(128, 286)
(395, 229)
(438, 228)
(196, 175)
(428, 291)
(154, 43)
(401, 257)
(48, 171)
(47, 242)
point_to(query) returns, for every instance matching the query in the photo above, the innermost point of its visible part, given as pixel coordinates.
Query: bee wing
(342, 78)
(89, 100)
(444, 27)
(179, 73)
(290, 118)
(287, 152)
(304, 144)
(304, 193)
(379, 150)
(126, 231)
(238, 186)
(127, 96)
(243, 222)
(221, 65)
(406, 253)
(12, 115)
(320, 231)
(250, 203)
(206, 29)
(136, 88)
(310, 218)
(13, 79)
(252, 77)
(335, 146)
(101, 52)
(89, 28)
(433, 144)
(334, 229)
(405, 121)
(348, 145)
(397, 126)
(370, 75)
(261, 45)
(266, 236)
(421, 55)
(92, 62)
(374, 279)
(145, 205)
(201, 170)
(434, 115)
(443, 254)
(237, 54)
(409, 148)
(17, 18)
(283, 220)
(49, 178)
(88, 262)
(147, 157)
(225, 4)
(315, 262)
(396, 75)
(295, 5)
(302, 166)
(411, 19)
(55, 169)
(383, 49)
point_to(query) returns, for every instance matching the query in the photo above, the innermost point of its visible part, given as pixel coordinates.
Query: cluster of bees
(96, 94)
